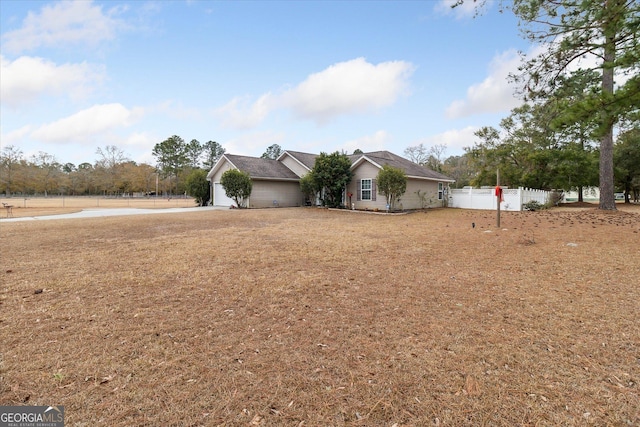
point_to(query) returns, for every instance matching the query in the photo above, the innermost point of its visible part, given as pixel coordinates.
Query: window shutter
(358, 190)
(373, 190)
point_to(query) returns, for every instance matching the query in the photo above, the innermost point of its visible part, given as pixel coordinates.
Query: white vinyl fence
(485, 198)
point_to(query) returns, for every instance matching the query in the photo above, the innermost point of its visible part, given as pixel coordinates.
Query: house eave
(426, 178)
(294, 158)
(270, 178)
(215, 167)
(364, 158)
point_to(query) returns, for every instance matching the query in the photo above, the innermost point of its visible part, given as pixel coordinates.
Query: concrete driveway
(95, 213)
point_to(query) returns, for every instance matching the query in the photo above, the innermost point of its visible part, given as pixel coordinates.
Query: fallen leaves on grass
(290, 317)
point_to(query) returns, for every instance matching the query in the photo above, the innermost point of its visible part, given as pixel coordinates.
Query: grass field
(310, 317)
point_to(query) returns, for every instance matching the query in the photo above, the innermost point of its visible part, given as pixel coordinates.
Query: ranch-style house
(276, 183)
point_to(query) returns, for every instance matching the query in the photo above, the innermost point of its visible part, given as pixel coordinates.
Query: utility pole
(498, 198)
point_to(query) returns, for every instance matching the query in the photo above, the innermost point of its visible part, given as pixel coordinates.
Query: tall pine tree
(599, 35)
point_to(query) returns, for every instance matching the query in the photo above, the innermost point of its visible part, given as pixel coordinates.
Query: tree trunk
(580, 198)
(607, 196)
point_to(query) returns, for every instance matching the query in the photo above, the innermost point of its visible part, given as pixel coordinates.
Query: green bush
(392, 183)
(198, 186)
(332, 172)
(533, 206)
(237, 186)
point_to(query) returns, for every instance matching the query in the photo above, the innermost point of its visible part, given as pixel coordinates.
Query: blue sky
(308, 75)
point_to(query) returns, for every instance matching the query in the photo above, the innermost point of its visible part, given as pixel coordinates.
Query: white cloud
(66, 22)
(141, 143)
(27, 78)
(85, 124)
(240, 114)
(494, 94)
(375, 142)
(15, 135)
(141, 139)
(454, 139)
(253, 143)
(353, 86)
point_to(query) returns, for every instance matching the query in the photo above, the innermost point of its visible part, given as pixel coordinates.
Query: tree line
(530, 154)
(112, 174)
(527, 151)
(180, 168)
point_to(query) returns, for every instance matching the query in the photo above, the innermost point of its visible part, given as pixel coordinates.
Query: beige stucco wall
(294, 165)
(285, 193)
(409, 200)
(223, 168)
(263, 193)
(365, 170)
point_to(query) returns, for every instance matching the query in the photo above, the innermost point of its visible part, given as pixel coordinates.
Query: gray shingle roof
(381, 158)
(259, 168)
(307, 159)
(411, 169)
(262, 168)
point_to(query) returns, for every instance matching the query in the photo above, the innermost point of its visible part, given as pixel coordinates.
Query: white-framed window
(365, 189)
(440, 191)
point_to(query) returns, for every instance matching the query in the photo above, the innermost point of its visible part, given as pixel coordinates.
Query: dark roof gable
(307, 159)
(259, 168)
(382, 158)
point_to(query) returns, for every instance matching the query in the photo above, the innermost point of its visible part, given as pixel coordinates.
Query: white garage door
(219, 196)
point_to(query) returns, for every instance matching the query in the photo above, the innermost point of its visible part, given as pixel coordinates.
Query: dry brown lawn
(310, 317)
